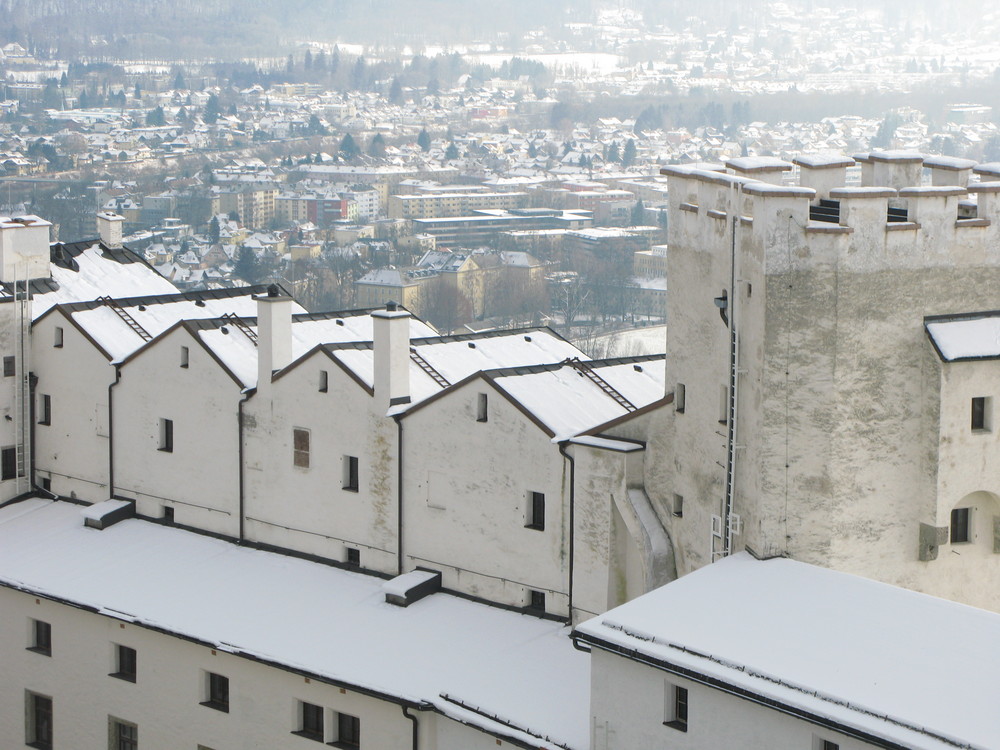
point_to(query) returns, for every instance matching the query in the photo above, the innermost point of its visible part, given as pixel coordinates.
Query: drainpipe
(416, 727)
(572, 519)
(399, 496)
(111, 432)
(240, 468)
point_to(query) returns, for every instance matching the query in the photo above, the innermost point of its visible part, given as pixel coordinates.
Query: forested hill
(235, 28)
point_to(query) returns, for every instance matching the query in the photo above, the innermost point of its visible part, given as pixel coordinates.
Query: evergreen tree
(451, 152)
(532, 151)
(307, 63)
(396, 92)
(212, 110)
(424, 140)
(348, 148)
(316, 127)
(155, 117)
(214, 233)
(179, 82)
(614, 153)
(247, 266)
(628, 155)
(138, 92)
(638, 213)
(377, 147)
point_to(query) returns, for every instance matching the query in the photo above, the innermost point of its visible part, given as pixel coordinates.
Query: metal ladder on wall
(124, 315)
(237, 322)
(22, 387)
(424, 365)
(588, 372)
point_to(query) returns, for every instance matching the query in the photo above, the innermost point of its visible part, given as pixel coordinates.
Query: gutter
(415, 744)
(240, 466)
(572, 520)
(111, 432)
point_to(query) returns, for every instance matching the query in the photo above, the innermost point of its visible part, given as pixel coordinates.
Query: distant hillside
(238, 28)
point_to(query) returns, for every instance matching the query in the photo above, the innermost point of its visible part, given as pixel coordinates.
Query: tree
(396, 92)
(444, 306)
(214, 232)
(451, 152)
(532, 151)
(212, 110)
(156, 118)
(638, 213)
(349, 148)
(137, 92)
(424, 140)
(628, 155)
(179, 82)
(316, 127)
(247, 266)
(613, 152)
(377, 147)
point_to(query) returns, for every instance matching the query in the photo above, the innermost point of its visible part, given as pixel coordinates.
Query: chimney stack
(24, 248)
(274, 335)
(109, 227)
(391, 339)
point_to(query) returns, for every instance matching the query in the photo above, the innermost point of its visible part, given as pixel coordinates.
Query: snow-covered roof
(443, 651)
(567, 401)
(156, 314)
(455, 358)
(835, 645)
(98, 273)
(959, 337)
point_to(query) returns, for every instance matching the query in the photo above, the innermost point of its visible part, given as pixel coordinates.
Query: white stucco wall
(466, 497)
(73, 452)
(199, 479)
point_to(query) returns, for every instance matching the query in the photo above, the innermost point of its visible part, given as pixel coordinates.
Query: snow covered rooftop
(568, 402)
(838, 646)
(156, 314)
(442, 651)
(965, 337)
(98, 273)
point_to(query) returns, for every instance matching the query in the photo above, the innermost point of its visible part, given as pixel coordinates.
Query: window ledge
(680, 726)
(349, 489)
(40, 745)
(38, 650)
(122, 676)
(224, 707)
(309, 735)
(535, 526)
(345, 745)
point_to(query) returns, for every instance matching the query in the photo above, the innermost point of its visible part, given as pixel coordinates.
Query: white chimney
(24, 248)
(109, 227)
(274, 335)
(392, 356)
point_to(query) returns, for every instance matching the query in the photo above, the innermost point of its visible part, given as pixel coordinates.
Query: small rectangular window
(536, 600)
(678, 509)
(828, 745)
(675, 707)
(9, 365)
(58, 342)
(185, 357)
(216, 692)
(353, 556)
(960, 531)
(300, 448)
(981, 413)
(482, 407)
(122, 735)
(348, 732)
(166, 435)
(324, 381)
(125, 663)
(41, 638)
(350, 471)
(8, 463)
(536, 511)
(38, 732)
(168, 514)
(310, 721)
(680, 392)
(45, 409)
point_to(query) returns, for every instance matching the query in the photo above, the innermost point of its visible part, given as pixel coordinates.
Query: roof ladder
(238, 322)
(424, 365)
(124, 315)
(601, 383)
(22, 387)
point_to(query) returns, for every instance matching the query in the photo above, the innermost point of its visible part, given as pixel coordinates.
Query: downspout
(399, 496)
(572, 520)
(111, 432)
(416, 727)
(240, 468)
(32, 384)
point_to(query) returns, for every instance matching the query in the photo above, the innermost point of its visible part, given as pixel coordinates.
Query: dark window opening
(350, 473)
(482, 407)
(979, 413)
(960, 531)
(348, 732)
(45, 410)
(536, 600)
(677, 708)
(353, 556)
(124, 736)
(300, 448)
(311, 721)
(166, 435)
(41, 638)
(536, 511)
(125, 663)
(39, 734)
(9, 365)
(218, 692)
